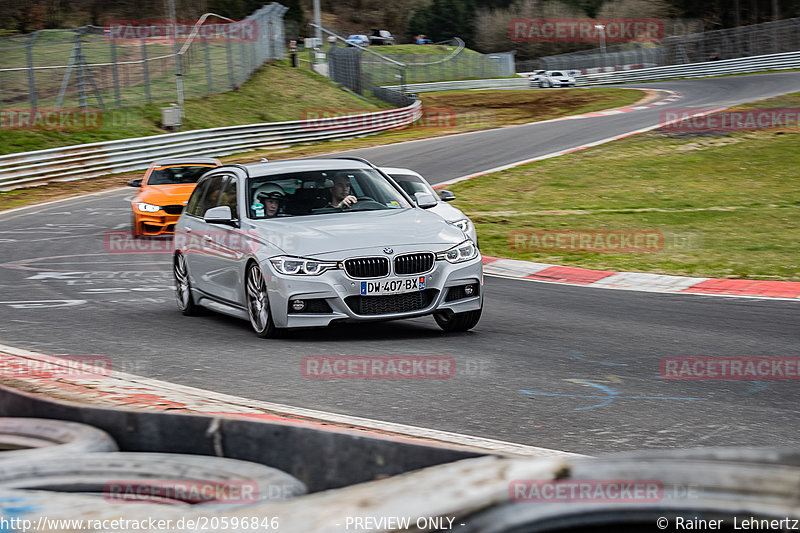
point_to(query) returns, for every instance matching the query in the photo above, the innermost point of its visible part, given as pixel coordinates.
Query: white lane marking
(38, 304)
(224, 403)
(51, 202)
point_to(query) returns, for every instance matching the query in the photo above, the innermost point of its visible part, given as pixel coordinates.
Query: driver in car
(340, 192)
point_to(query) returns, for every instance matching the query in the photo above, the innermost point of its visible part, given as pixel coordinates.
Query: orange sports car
(165, 189)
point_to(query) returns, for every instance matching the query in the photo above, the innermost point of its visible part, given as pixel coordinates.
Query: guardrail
(742, 65)
(491, 83)
(99, 159)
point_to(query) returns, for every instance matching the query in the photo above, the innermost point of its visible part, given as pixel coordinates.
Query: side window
(194, 199)
(210, 197)
(229, 197)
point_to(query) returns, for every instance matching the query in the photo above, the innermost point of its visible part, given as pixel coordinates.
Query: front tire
(450, 321)
(258, 303)
(183, 289)
(134, 227)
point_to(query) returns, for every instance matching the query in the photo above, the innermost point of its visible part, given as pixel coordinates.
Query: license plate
(392, 286)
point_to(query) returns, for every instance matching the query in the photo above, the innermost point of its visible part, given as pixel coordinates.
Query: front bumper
(158, 223)
(344, 302)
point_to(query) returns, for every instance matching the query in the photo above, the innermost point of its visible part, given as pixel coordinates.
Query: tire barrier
(154, 478)
(27, 438)
(690, 488)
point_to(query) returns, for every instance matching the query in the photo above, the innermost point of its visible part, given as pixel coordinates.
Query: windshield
(177, 174)
(412, 184)
(321, 192)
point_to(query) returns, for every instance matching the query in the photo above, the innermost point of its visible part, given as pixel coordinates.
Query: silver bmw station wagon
(305, 243)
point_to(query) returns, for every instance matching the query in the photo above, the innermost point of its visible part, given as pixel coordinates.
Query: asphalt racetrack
(555, 366)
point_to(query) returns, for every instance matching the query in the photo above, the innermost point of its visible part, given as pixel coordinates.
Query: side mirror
(135, 183)
(425, 200)
(446, 196)
(220, 215)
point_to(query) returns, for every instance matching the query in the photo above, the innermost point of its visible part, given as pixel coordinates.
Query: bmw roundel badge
(388, 251)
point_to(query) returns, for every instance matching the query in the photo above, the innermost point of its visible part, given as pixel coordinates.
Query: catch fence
(133, 63)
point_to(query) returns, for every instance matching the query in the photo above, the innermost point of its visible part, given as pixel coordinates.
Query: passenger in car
(271, 196)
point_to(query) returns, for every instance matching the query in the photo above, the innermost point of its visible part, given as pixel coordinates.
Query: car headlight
(462, 224)
(147, 208)
(458, 254)
(298, 266)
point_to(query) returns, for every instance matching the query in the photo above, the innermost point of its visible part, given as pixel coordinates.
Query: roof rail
(354, 158)
(237, 165)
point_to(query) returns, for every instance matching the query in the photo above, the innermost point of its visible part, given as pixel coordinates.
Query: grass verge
(728, 205)
(275, 93)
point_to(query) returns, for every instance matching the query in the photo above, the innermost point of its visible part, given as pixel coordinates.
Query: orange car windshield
(173, 175)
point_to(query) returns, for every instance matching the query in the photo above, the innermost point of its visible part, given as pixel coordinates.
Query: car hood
(448, 212)
(176, 194)
(339, 234)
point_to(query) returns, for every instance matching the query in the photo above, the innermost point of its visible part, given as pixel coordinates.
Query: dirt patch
(513, 105)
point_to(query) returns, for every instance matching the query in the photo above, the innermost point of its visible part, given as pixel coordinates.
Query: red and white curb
(61, 379)
(639, 281)
(673, 96)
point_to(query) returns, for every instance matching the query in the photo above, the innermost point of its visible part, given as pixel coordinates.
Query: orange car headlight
(147, 208)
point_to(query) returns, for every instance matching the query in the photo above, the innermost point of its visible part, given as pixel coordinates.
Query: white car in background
(556, 78)
(413, 182)
(535, 76)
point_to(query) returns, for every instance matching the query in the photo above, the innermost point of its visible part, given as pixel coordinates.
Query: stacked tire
(68, 457)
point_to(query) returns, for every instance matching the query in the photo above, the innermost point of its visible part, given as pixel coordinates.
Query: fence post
(115, 72)
(229, 56)
(146, 72)
(209, 80)
(31, 76)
